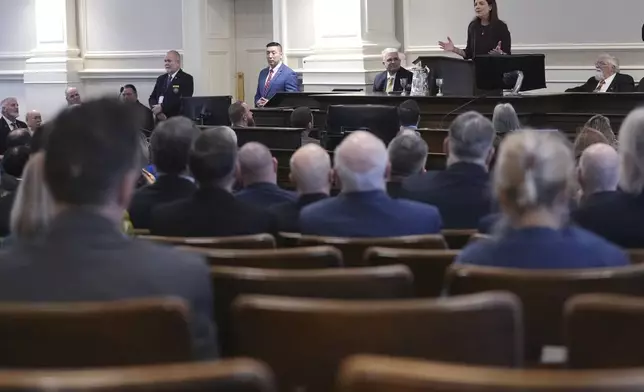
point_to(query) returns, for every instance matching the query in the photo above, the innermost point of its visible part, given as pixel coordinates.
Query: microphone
(466, 104)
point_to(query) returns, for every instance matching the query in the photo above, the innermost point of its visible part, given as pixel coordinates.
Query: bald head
(33, 119)
(72, 96)
(256, 164)
(311, 170)
(599, 169)
(361, 163)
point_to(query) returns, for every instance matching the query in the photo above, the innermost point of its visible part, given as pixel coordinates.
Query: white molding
(300, 52)
(119, 74)
(12, 76)
(8, 56)
(603, 47)
(129, 54)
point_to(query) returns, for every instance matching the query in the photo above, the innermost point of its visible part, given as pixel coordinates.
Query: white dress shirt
(607, 83)
(277, 67)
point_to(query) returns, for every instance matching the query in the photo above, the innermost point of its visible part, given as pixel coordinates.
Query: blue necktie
(168, 82)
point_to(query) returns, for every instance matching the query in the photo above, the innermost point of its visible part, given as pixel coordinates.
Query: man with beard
(165, 100)
(607, 78)
(9, 120)
(240, 115)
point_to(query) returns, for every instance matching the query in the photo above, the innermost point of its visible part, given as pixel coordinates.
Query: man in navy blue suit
(389, 80)
(363, 208)
(275, 78)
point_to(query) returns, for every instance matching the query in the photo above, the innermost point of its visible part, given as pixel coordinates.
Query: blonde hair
(533, 169)
(33, 208)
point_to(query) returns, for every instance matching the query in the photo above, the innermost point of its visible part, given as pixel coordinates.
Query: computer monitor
(381, 120)
(207, 110)
(495, 72)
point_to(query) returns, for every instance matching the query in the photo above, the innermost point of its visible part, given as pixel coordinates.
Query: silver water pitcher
(420, 81)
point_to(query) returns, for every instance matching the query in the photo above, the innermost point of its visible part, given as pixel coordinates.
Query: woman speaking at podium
(486, 34)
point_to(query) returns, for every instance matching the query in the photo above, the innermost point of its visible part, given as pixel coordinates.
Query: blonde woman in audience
(533, 181)
(602, 124)
(586, 138)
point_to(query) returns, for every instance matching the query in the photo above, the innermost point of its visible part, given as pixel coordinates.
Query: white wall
(567, 31)
(298, 30)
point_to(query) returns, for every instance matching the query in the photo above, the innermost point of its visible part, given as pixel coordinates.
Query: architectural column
(55, 61)
(350, 36)
(194, 45)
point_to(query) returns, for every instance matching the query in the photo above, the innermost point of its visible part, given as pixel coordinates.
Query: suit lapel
(274, 81)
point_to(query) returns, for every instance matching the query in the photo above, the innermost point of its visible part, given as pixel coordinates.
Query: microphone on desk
(466, 104)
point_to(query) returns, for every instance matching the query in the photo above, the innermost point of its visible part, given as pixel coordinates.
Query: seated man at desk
(240, 115)
(389, 80)
(275, 78)
(607, 78)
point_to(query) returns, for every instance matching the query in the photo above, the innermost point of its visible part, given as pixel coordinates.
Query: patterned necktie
(268, 82)
(390, 85)
(599, 86)
(168, 82)
(14, 126)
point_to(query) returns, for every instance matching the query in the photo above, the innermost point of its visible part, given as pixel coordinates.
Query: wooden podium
(459, 76)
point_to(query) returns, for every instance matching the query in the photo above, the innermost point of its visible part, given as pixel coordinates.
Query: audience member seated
(409, 116)
(602, 124)
(505, 119)
(363, 208)
(13, 165)
(212, 211)
(598, 175)
(33, 119)
(240, 115)
(462, 191)
(131, 96)
(620, 219)
(72, 96)
(9, 110)
(389, 80)
(407, 157)
(170, 146)
(19, 137)
(533, 181)
(586, 138)
(146, 178)
(258, 175)
(39, 139)
(607, 78)
(91, 165)
(303, 118)
(312, 175)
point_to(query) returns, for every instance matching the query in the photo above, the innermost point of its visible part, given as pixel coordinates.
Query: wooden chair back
(458, 238)
(305, 340)
(315, 257)
(238, 375)
(359, 283)
(544, 293)
(94, 334)
(604, 331)
(353, 248)
(382, 374)
(428, 266)
(256, 241)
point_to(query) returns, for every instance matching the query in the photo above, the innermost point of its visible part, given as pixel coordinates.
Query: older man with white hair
(312, 175)
(389, 80)
(607, 78)
(72, 96)
(10, 111)
(363, 208)
(598, 173)
(619, 218)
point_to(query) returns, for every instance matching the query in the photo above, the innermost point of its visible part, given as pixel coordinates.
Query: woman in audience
(602, 124)
(586, 138)
(505, 119)
(533, 181)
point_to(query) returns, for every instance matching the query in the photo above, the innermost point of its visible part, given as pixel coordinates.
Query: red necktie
(268, 81)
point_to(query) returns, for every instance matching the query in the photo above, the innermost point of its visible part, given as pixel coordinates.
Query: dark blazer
(380, 82)
(284, 80)
(181, 86)
(640, 86)
(210, 213)
(369, 214)
(614, 216)
(287, 215)
(166, 189)
(461, 193)
(265, 195)
(6, 204)
(5, 129)
(395, 189)
(482, 39)
(622, 83)
(147, 118)
(85, 257)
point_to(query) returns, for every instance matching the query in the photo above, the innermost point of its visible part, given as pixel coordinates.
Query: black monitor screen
(490, 70)
(380, 120)
(207, 110)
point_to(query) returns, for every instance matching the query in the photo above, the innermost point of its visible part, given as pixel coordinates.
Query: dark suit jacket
(85, 257)
(6, 204)
(5, 129)
(287, 215)
(181, 86)
(615, 216)
(369, 214)
(210, 213)
(265, 195)
(622, 83)
(640, 86)
(147, 118)
(461, 193)
(166, 189)
(380, 82)
(284, 80)
(395, 189)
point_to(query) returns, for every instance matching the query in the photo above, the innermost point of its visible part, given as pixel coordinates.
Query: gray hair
(390, 50)
(505, 119)
(471, 137)
(631, 151)
(599, 169)
(610, 60)
(310, 169)
(6, 101)
(256, 164)
(361, 162)
(170, 144)
(533, 170)
(213, 157)
(407, 154)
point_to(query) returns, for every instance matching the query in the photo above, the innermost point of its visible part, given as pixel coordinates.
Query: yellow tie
(390, 85)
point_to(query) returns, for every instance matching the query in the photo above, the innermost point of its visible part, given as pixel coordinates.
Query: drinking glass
(439, 84)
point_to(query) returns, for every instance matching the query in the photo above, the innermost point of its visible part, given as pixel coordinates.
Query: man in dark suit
(312, 175)
(389, 80)
(258, 173)
(131, 96)
(170, 146)
(92, 162)
(13, 164)
(364, 209)
(462, 191)
(9, 120)
(407, 157)
(212, 210)
(170, 87)
(275, 78)
(607, 78)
